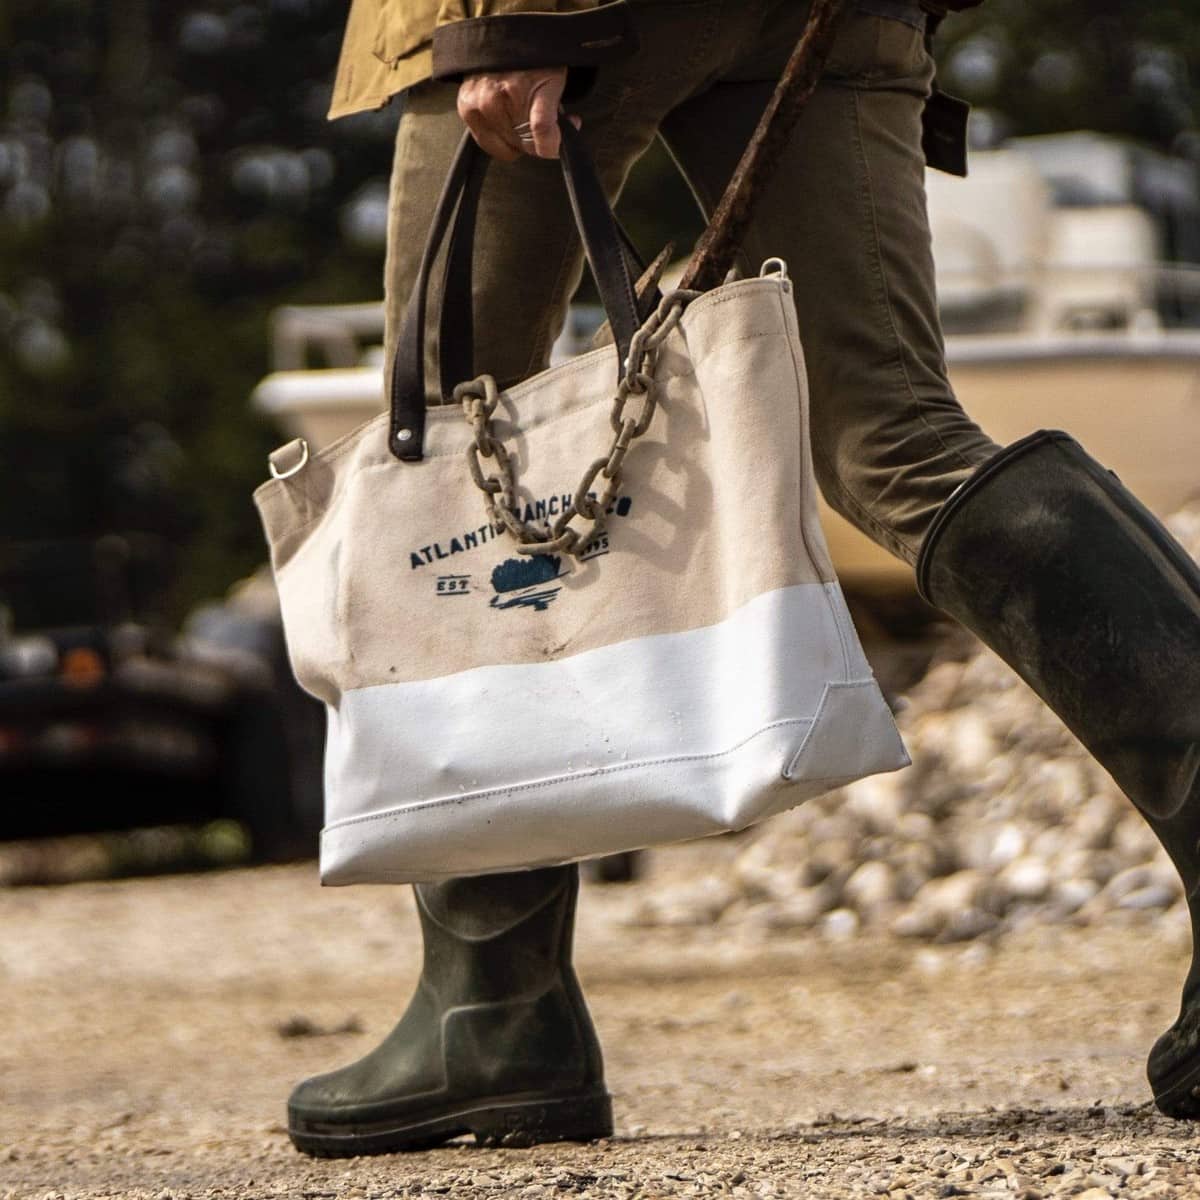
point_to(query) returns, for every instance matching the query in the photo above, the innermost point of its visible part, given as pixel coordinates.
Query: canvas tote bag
(673, 660)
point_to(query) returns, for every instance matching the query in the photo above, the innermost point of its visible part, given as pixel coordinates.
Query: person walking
(1034, 547)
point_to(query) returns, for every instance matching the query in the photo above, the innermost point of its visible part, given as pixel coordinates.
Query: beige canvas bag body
(633, 636)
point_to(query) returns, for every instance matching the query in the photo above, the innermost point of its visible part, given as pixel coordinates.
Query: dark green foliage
(1114, 66)
(166, 178)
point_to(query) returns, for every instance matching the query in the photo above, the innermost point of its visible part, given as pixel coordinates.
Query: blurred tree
(166, 177)
(1113, 66)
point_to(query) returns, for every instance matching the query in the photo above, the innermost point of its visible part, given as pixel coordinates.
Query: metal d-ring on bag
(571, 666)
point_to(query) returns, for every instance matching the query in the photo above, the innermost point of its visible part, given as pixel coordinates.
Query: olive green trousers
(845, 210)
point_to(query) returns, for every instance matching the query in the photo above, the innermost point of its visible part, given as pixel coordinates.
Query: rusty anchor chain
(601, 481)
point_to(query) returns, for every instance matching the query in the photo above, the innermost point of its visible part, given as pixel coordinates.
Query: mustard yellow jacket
(391, 44)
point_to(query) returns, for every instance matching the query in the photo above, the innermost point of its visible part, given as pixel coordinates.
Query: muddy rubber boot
(1046, 557)
(496, 1040)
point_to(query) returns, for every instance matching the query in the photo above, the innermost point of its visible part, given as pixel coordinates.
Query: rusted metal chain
(601, 481)
(717, 248)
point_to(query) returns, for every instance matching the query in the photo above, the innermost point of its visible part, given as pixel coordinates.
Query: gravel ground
(938, 983)
(154, 1027)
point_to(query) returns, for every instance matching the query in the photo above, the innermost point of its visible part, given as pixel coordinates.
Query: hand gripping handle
(456, 214)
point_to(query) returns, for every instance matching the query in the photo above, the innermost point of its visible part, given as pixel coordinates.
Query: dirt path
(141, 1052)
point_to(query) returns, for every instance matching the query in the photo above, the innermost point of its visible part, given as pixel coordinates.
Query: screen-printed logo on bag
(536, 510)
(521, 582)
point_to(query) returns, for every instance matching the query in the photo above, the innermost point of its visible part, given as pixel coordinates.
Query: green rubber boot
(496, 1041)
(1046, 557)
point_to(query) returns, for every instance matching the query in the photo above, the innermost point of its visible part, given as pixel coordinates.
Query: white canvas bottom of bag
(652, 740)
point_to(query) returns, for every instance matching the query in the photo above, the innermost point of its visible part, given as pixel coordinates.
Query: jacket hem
(524, 41)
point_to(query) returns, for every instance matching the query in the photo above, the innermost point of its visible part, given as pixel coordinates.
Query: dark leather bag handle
(456, 332)
(459, 202)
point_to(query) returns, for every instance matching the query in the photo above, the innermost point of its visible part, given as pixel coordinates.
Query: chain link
(479, 398)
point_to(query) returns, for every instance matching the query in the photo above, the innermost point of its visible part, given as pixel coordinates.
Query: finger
(484, 112)
(488, 140)
(543, 121)
(518, 129)
(509, 98)
(498, 105)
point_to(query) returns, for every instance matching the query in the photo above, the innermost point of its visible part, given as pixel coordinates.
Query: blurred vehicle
(109, 721)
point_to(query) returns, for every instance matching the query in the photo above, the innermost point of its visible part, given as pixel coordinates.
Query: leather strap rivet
(404, 435)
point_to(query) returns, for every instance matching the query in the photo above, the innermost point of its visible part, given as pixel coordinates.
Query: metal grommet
(276, 473)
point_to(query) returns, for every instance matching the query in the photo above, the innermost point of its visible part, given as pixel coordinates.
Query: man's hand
(514, 112)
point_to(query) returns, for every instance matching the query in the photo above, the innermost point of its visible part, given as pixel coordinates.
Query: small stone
(974, 747)
(1133, 879)
(840, 924)
(1026, 878)
(1008, 844)
(975, 955)
(699, 903)
(1124, 1167)
(877, 802)
(917, 827)
(963, 926)
(1094, 825)
(1133, 839)
(917, 922)
(1151, 897)
(870, 887)
(932, 962)
(1072, 894)
(954, 893)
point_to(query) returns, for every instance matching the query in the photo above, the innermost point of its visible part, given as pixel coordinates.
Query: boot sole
(579, 1118)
